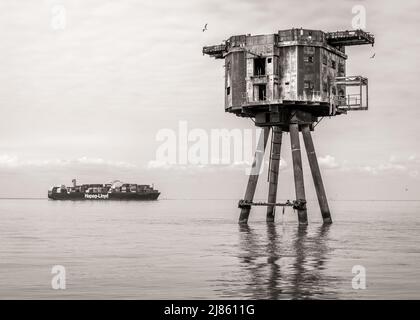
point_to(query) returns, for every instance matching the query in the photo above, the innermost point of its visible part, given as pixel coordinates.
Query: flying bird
(205, 27)
(373, 56)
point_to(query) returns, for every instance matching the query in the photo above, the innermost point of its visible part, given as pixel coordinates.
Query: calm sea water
(194, 249)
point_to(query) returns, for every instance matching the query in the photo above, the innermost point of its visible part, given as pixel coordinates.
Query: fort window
(259, 67)
(269, 60)
(261, 92)
(333, 64)
(228, 90)
(308, 85)
(309, 59)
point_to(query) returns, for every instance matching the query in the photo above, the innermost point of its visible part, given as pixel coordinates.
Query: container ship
(111, 191)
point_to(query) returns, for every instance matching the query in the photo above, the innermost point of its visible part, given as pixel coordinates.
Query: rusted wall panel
(309, 73)
(301, 72)
(235, 85)
(288, 72)
(239, 79)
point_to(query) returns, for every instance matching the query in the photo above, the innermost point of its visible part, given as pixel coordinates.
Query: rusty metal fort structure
(287, 82)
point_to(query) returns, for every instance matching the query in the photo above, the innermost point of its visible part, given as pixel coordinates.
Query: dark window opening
(261, 92)
(333, 90)
(286, 83)
(308, 85)
(309, 59)
(259, 66)
(228, 90)
(269, 60)
(333, 64)
(324, 59)
(341, 67)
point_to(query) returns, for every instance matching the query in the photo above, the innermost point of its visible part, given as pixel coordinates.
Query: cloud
(328, 162)
(156, 164)
(410, 160)
(408, 164)
(7, 160)
(166, 165)
(394, 165)
(235, 165)
(385, 167)
(100, 161)
(414, 173)
(402, 166)
(12, 161)
(283, 164)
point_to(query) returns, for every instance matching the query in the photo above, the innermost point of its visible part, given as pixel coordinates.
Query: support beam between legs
(316, 174)
(254, 174)
(297, 171)
(274, 171)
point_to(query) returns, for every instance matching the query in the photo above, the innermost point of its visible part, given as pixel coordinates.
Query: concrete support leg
(274, 171)
(316, 174)
(254, 174)
(298, 173)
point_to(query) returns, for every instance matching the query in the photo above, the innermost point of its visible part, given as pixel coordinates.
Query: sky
(87, 98)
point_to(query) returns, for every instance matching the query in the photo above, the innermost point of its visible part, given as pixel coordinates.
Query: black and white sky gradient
(87, 101)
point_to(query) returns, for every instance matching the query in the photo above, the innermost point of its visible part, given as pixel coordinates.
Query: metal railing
(354, 101)
(216, 51)
(350, 37)
(349, 100)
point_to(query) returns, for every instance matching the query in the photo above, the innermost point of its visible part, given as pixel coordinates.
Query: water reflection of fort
(282, 263)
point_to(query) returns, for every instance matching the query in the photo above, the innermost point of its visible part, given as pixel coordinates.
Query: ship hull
(105, 196)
